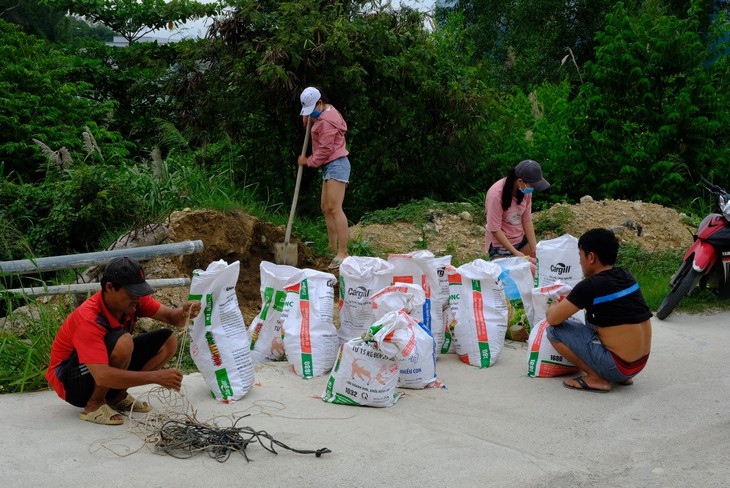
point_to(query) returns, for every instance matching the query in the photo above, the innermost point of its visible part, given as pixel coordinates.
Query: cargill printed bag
(417, 369)
(360, 279)
(480, 311)
(310, 336)
(267, 343)
(518, 281)
(366, 371)
(219, 343)
(444, 269)
(419, 268)
(543, 360)
(558, 260)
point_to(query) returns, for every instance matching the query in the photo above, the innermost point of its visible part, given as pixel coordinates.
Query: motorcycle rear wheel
(687, 279)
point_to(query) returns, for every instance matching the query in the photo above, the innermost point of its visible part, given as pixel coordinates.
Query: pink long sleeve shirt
(328, 138)
(511, 221)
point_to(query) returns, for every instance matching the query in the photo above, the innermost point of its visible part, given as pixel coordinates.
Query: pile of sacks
(530, 290)
(396, 317)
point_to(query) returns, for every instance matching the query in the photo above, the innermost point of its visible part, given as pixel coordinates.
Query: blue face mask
(315, 113)
(527, 191)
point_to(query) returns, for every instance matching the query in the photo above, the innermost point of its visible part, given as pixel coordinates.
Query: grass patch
(25, 353)
(553, 221)
(654, 269)
(418, 211)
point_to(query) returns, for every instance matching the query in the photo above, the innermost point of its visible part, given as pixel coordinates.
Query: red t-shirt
(84, 330)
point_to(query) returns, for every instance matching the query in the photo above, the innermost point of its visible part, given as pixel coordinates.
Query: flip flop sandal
(103, 415)
(583, 386)
(334, 264)
(130, 404)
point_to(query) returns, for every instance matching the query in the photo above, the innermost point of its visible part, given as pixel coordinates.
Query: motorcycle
(707, 261)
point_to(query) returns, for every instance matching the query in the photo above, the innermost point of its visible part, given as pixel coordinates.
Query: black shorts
(77, 379)
(502, 252)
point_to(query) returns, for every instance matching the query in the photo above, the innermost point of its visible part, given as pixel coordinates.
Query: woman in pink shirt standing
(509, 230)
(329, 153)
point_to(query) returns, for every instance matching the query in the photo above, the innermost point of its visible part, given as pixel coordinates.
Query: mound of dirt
(231, 236)
(648, 225)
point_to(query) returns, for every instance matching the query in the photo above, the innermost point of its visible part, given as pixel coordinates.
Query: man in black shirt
(613, 345)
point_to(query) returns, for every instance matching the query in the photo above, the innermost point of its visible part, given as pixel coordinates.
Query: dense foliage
(615, 100)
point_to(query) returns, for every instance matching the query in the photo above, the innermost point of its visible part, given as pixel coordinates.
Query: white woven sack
(542, 298)
(265, 331)
(360, 279)
(480, 312)
(418, 368)
(219, 343)
(542, 359)
(518, 283)
(396, 297)
(419, 268)
(366, 371)
(310, 336)
(444, 269)
(558, 260)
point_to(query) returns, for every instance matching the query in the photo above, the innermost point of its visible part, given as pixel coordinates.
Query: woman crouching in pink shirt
(329, 153)
(509, 229)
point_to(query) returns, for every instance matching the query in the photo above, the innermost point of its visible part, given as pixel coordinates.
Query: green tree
(133, 19)
(42, 21)
(40, 100)
(525, 40)
(414, 109)
(655, 114)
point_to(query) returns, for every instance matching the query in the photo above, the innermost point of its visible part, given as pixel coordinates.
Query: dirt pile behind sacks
(648, 225)
(231, 236)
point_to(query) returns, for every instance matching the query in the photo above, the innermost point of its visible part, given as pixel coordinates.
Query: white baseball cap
(309, 98)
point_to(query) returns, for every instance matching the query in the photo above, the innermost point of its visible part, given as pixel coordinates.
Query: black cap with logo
(129, 274)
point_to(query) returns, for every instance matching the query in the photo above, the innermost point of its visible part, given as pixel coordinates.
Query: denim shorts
(503, 252)
(583, 341)
(337, 169)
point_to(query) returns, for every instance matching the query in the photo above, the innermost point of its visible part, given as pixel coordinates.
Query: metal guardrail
(55, 263)
(89, 287)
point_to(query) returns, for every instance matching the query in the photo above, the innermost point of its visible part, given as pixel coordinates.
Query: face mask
(316, 113)
(527, 191)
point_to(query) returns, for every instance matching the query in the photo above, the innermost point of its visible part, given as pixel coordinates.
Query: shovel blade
(286, 253)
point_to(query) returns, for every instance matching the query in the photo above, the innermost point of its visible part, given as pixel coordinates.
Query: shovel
(285, 252)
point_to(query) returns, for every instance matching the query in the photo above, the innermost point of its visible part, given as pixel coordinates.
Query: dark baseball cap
(129, 274)
(530, 172)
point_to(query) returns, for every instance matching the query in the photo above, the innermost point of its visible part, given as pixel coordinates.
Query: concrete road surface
(489, 427)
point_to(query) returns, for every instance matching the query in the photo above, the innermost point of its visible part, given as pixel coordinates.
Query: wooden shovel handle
(287, 236)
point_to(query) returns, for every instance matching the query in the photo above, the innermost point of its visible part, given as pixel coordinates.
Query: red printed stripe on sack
(538, 339)
(304, 333)
(479, 317)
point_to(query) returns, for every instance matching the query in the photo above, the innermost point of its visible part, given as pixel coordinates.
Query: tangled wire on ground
(184, 439)
(175, 430)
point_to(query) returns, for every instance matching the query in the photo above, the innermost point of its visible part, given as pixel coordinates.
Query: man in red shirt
(94, 358)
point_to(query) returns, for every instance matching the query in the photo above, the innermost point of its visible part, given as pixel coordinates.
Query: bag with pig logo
(367, 368)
